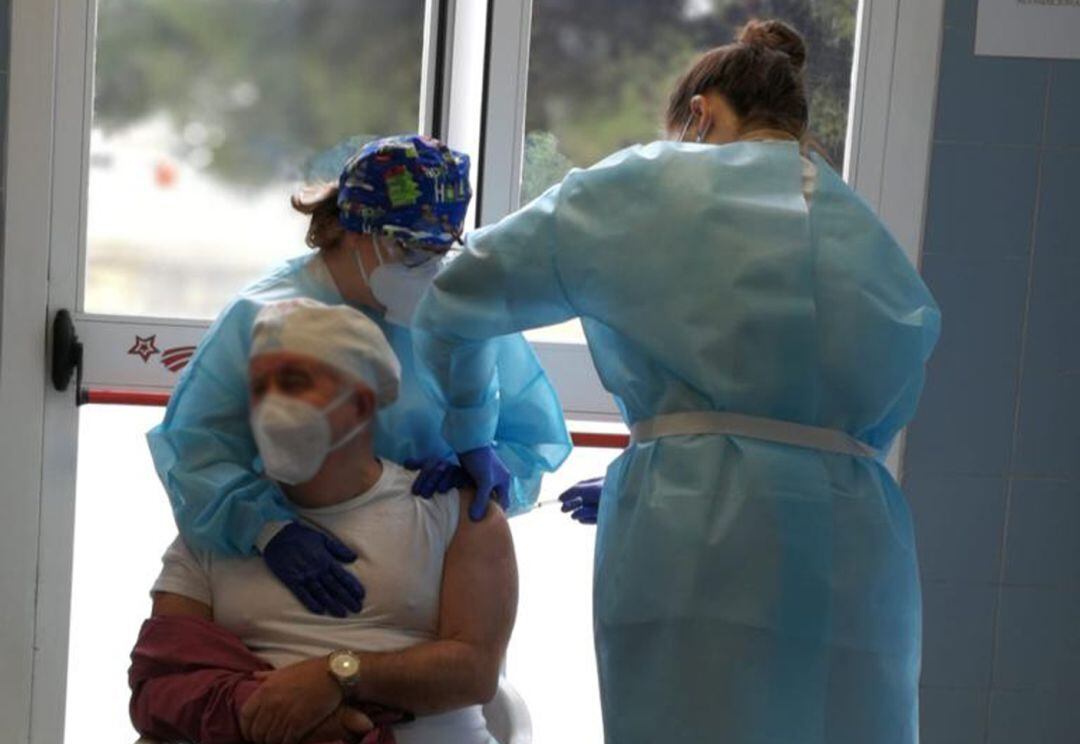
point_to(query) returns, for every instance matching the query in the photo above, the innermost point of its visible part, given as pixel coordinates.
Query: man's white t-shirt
(401, 541)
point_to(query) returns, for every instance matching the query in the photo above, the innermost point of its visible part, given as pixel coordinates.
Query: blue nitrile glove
(583, 500)
(491, 477)
(436, 476)
(307, 561)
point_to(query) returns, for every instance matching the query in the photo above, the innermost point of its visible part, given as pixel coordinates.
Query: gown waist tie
(752, 427)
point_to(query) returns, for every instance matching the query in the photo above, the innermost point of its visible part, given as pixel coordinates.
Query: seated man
(231, 655)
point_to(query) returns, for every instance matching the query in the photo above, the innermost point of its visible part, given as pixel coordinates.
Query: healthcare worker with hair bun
(381, 233)
(765, 338)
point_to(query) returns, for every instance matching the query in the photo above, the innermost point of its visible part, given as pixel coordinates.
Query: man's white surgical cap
(337, 335)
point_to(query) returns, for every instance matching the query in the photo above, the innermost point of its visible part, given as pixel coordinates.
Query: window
(118, 494)
(207, 115)
(600, 73)
(551, 660)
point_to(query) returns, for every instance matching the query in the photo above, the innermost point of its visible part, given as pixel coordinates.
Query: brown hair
(760, 76)
(325, 230)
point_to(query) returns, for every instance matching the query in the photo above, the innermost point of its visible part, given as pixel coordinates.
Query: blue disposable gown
(207, 459)
(746, 592)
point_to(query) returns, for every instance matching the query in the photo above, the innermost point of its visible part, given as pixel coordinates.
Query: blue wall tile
(1016, 717)
(994, 100)
(960, 14)
(1061, 715)
(958, 525)
(1058, 233)
(982, 200)
(1034, 718)
(1043, 545)
(957, 635)
(998, 120)
(1038, 639)
(1048, 437)
(952, 716)
(964, 423)
(1053, 336)
(1063, 121)
(982, 302)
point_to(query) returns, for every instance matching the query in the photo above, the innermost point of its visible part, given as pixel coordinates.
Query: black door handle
(67, 355)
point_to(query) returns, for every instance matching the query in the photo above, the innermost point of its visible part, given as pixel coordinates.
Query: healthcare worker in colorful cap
(380, 236)
(755, 579)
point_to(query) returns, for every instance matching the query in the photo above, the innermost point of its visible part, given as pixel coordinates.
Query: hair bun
(778, 36)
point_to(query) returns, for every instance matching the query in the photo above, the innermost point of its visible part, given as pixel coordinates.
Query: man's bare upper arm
(478, 602)
(168, 604)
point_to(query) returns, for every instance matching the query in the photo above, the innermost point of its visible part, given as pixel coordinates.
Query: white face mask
(294, 437)
(397, 287)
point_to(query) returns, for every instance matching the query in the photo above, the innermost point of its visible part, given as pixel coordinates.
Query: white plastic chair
(507, 717)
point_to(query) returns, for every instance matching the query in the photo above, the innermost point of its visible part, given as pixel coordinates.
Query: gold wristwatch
(344, 666)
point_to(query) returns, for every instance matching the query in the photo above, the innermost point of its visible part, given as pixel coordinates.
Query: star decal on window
(144, 348)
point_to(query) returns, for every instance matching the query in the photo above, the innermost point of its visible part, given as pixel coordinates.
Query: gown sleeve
(203, 450)
(506, 281)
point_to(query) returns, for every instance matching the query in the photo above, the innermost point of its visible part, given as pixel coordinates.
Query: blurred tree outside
(600, 71)
(208, 112)
(283, 89)
(261, 90)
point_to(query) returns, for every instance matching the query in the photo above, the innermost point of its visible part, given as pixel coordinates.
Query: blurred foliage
(283, 89)
(545, 166)
(600, 71)
(261, 89)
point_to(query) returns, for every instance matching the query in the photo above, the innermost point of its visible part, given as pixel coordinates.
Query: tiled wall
(993, 461)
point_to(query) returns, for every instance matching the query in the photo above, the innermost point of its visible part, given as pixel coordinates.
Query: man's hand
(344, 724)
(290, 703)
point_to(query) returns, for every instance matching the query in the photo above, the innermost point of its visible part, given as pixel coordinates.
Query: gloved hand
(436, 476)
(491, 477)
(583, 500)
(307, 562)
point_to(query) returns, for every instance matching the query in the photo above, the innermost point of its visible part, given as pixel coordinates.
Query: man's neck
(347, 473)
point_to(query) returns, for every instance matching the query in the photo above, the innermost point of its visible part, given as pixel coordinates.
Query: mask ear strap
(686, 127)
(350, 436)
(377, 241)
(345, 395)
(703, 129)
(360, 266)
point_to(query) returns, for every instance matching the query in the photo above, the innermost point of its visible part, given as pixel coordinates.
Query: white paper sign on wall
(1029, 28)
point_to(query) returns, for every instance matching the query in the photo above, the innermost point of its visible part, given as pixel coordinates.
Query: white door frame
(37, 456)
(894, 93)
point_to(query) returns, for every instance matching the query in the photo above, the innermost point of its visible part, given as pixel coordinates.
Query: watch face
(344, 665)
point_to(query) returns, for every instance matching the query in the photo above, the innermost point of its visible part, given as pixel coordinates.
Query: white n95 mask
(397, 287)
(294, 437)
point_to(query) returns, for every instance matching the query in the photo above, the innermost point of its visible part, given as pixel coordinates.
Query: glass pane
(600, 72)
(208, 114)
(122, 526)
(119, 493)
(551, 661)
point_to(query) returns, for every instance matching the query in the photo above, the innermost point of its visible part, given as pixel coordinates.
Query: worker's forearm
(428, 678)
